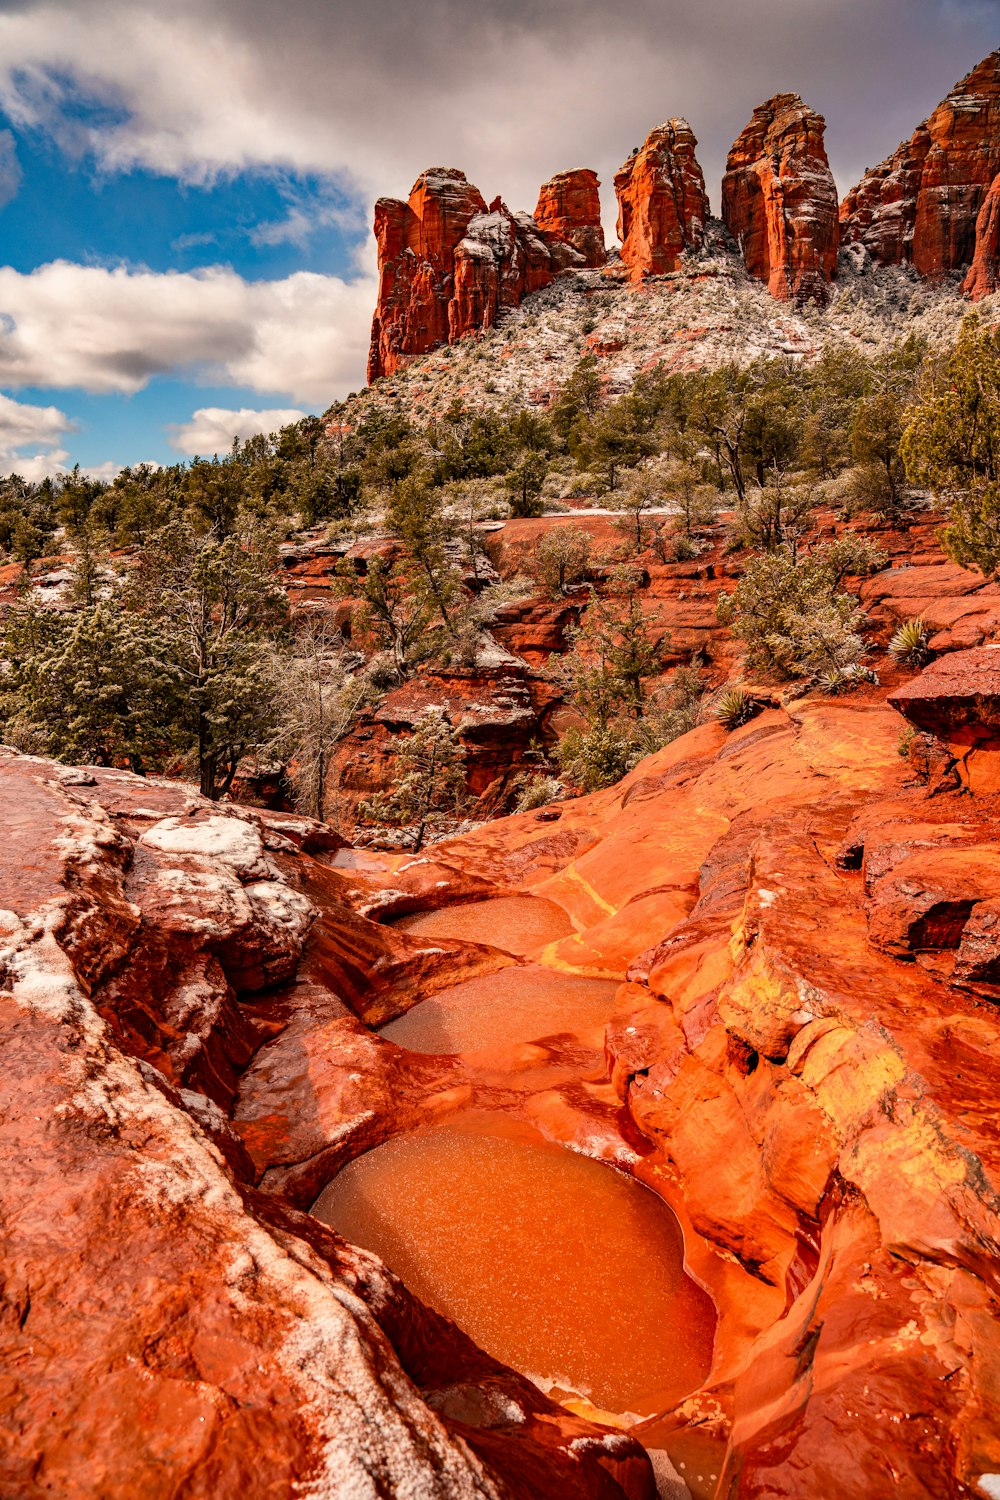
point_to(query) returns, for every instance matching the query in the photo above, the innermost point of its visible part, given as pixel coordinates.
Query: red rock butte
(662, 205)
(932, 204)
(779, 200)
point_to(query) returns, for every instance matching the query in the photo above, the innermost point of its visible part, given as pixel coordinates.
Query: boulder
(779, 200)
(662, 204)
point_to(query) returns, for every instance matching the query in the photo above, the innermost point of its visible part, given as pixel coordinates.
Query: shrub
(533, 789)
(734, 707)
(791, 611)
(598, 757)
(908, 646)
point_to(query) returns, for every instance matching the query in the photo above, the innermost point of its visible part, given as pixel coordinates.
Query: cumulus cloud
(212, 428)
(112, 330)
(38, 429)
(512, 91)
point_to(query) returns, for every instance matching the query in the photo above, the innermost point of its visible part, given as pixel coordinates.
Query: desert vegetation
(168, 644)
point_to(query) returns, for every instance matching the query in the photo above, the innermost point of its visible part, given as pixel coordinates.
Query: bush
(598, 757)
(533, 789)
(561, 558)
(792, 614)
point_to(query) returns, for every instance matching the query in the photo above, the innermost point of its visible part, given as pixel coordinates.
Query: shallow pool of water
(561, 1267)
(516, 924)
(514, 1005)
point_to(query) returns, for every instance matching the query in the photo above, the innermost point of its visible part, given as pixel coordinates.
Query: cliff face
(662, 204)
(779, 200)
(569, 213)
(448, 264)
(921, 205)
(983, 276)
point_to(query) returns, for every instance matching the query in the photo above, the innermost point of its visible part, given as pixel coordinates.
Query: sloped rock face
(662, 204)
(921, 206)
(779, 200)
(807, 1039)
(569, 213)
(164, 1326)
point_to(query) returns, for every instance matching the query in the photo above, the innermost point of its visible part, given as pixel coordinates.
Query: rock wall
(662, 204)
(983, 276)
(569, 213)
(779, 200)
(921, 205)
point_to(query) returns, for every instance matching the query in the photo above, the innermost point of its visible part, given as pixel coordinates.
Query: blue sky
(186, 190)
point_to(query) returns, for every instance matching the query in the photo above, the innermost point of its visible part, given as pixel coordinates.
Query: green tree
(429, 787)
(794, 616)
(396, 606)
(524, 483)
(317, 694)
(88, 687)
(561, 559)
(613, 654)
(951, 445)
(416, 517)
(211, 607)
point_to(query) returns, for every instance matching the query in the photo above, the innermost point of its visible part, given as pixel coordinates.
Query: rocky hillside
(451, 267)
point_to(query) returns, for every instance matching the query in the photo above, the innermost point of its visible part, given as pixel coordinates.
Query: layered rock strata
(779, 200)
(569, 213)
(662, 204)
(806, 1040)
(922, 205)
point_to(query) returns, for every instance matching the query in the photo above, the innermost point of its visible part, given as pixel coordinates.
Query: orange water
(513, 1005)
(561, 1267)
(517, 924)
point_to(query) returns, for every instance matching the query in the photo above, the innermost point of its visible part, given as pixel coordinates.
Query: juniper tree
(429, 786)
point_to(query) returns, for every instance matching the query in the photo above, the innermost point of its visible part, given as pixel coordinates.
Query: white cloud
(212, 428)
(38, 429)
(512, 91)
(112, 330)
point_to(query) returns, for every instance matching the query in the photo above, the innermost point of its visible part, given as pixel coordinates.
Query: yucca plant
(908, 646)
(735, 707)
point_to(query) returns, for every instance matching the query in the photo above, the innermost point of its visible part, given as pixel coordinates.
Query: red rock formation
(845, 1096)
(920, 205)
(416, 256)
(569, 213)
(448, 264)
(779, 200)
(984, 273)
(165, 1327)
(500, 259)
(662, 204)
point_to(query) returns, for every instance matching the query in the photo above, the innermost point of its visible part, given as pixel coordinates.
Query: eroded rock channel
(741, 1010)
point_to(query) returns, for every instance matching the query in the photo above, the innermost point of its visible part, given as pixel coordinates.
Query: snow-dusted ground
(702, 316)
